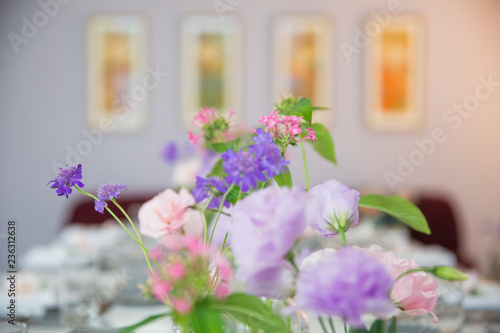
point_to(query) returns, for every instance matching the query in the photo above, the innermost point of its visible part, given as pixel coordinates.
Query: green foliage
(447, 273)
(131, 328)
(323, 144)
(218, 169)
(205, 319)
(284, 179)
(292, 107)
(399, 208)
(221, 147)
(378, 326)
(252, 312)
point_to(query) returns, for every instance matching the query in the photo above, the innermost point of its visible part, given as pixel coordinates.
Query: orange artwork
(394, 71)
(303, 65)
(116, 68)
(211, 69)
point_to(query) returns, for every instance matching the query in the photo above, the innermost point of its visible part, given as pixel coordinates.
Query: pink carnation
(167, 213)
(415, 293)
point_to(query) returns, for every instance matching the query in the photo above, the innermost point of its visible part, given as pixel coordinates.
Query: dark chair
(83, 211)
(443, 224)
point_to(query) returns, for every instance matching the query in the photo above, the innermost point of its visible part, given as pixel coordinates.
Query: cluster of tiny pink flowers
(211, 123)
(286, 129)
(190, 271)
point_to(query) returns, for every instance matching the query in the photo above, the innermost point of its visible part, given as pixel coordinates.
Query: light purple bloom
(106, 192)
(347, 283)
(268, 153)
(339, 207)
(211, 186)
(265, 226)
(170, 152)
(66, 179)
(243, 169)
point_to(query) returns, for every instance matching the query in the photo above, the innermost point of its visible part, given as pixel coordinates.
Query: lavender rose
(265, 226)
(347, 283)
(338, 205)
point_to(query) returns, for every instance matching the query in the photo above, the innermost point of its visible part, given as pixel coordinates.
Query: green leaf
(206, 319)
(284, 179)
(392, 326)
(318, 108)
(146, 321)
(221, 147)
(447, 273)
(301, 108)
(378, 326)
(323, 144)
(251, 311)
(218, 169)
(399, 208)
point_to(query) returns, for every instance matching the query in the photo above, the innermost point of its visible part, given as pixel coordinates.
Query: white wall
(42, 101)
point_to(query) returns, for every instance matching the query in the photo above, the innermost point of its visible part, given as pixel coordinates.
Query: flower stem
(223, 243)
(345, 327)
(126, 229)
(135, 229)
(220, 210)
(205, 226)
(330, 321)
(305, 164)
(342, 236)
(322, 324)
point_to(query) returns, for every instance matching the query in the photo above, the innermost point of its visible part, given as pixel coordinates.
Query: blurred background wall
(42, 103)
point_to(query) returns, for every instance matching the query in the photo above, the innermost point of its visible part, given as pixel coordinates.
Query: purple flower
(106, 192)
(339, 207)
(210, 187)
(243, 169)
(348, 284)
(266, 225)
(268, 153)
(170, 152)
(66, 179)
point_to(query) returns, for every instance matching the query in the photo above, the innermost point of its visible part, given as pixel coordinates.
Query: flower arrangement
(250, 188)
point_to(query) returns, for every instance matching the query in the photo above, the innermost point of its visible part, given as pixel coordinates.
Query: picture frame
(303, 61)
(394, 85)
(117, 54)
(211, 65)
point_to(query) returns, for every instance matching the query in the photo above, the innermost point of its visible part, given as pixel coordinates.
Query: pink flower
(194, 245)
(415, 293)
(193, 138)
(157, 253)
(205, 116)
(222, 290)
(160, 288)
(181, 305)
(167, 212)
(177, 271)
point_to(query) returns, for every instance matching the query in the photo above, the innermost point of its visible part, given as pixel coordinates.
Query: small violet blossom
(211, 187)
(67, 178)
(347, 283)
(107, 192)
(263, 160)
(338, 205)
(267, 224)
(170, 152)
(415, 293)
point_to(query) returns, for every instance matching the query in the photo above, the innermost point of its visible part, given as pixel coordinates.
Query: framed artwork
(302, 61)
(395, 76)
(117, 72)
(211, 65)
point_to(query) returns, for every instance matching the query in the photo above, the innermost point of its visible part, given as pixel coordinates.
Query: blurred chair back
(443, 224)
(83, 211)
